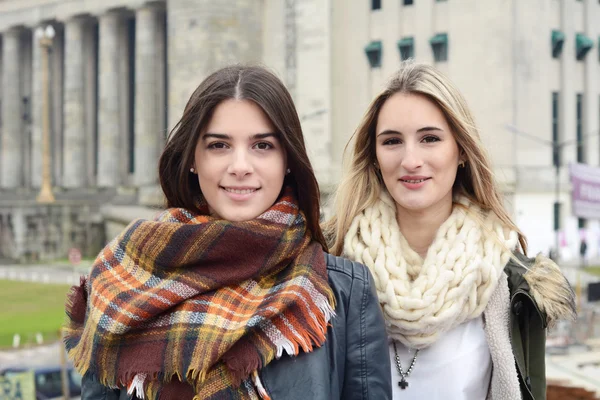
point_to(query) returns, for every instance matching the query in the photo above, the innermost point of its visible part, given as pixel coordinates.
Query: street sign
(74, 256)
(585, 190)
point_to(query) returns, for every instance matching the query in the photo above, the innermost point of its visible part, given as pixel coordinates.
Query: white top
(456, 367)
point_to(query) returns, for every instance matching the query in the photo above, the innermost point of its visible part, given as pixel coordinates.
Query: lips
(241, 193)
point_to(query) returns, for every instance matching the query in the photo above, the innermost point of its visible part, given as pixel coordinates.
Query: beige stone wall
(204, 35)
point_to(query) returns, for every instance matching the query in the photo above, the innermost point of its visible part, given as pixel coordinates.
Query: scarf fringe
(137, 386)
(259, 386)
(138, 382)
(76, 302)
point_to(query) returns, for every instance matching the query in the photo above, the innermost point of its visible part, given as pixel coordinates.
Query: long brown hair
(361, 185)
(240, 82)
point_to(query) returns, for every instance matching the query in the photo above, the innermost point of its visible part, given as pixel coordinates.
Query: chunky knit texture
(203, 301)
(424, 298)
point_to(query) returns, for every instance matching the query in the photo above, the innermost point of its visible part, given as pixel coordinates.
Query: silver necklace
(403, 375)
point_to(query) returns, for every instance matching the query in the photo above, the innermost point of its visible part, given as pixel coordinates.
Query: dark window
(581, 223)
(583, 45)
(439, 45)
(375, 4)
(557, 40)
(408, 2)
(579, 129)
(555, 138)
(373, 52)
(556, 216)
(407, 48)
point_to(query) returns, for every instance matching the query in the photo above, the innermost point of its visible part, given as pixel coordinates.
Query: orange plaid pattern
(205, 300)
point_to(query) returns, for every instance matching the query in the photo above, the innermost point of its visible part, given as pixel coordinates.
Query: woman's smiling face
(416, 152)
(240, 161)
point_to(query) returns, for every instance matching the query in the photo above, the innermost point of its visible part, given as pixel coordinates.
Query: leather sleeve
(367, 373)
(92, 389)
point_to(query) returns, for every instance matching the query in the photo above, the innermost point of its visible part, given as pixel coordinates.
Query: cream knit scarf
(424, 298)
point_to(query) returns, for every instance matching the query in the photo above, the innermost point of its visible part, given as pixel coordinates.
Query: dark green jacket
(539, 296)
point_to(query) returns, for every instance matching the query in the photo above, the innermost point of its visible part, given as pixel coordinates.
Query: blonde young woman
(466, 310)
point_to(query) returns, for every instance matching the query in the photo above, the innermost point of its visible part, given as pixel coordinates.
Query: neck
(420, 227)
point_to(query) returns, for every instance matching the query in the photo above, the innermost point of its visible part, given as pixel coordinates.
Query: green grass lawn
(28, 308)
(593, 270)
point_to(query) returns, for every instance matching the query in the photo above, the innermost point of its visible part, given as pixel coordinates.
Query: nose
(240, 164)
(411, 159)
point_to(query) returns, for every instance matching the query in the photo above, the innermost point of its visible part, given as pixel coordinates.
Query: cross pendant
(403, 384)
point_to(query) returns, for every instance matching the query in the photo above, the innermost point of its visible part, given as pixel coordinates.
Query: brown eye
(431, 139)
(217, 145)
(391, 142)
(263, 146)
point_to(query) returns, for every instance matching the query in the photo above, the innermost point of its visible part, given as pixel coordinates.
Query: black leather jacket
(353, 364)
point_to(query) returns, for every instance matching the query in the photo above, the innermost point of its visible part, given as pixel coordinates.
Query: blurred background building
(120, 72)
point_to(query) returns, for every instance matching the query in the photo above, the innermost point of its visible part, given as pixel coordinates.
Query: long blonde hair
(361, 184)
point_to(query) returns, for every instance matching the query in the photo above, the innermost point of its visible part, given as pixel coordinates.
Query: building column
(12, 111)
(150, 99)
(26, 104)
(37, 104)
(57, 86)
(91, 41)
(126, 91)
(111, 105)
(19, 224)
(74, 146)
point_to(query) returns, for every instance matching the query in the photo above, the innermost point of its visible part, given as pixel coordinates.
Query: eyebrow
(223, 136)
(424, 129)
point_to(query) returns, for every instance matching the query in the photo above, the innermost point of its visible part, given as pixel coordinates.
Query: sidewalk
(577, 370)
(44, 273)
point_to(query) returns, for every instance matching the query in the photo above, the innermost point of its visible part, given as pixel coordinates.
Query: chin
(414, 206)
(410, 201)
(241, 217)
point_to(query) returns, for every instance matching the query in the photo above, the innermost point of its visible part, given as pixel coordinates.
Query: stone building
(122, 70)
(120, 74)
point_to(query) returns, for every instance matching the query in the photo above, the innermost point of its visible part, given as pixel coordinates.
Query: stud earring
(192, 170)
(461, 165)
(288, 171)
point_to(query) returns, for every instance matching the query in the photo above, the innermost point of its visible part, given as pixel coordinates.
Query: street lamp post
(44, 37)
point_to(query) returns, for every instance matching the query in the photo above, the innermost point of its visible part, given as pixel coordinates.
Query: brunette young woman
(466, 310)
(229, 293)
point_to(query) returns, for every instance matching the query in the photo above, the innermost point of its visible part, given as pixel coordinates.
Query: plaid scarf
(202, 300)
